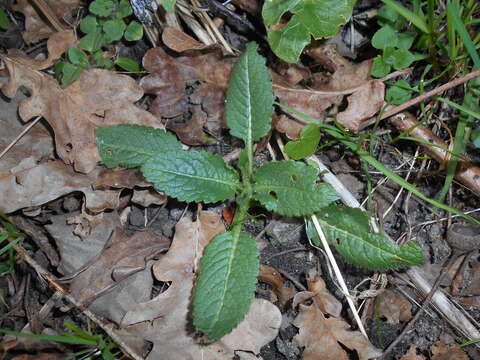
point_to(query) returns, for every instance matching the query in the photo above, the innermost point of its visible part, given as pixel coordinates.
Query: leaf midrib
(128, 149)
(233, 184)
(365, 242)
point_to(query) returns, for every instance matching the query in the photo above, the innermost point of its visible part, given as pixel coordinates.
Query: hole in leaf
(68, 147)
(273, 194)
(294, 177)
(338, 241)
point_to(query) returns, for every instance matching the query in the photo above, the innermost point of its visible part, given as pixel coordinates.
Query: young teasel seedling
(229, 267)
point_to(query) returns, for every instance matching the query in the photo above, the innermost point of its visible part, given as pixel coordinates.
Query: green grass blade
(409, 15)
(334, 132)
(460, 107)
(10, 245)
(67, 339)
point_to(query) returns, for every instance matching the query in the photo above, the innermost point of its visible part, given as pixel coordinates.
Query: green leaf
(4, 23)
(93, 41)
(379, 67)
(348, 230)
(398, 93)
(89, 24)
(289, 188)
(249, 104)
(132, 145)
(307, 145)
(169, 5)
(405, 40)
(191, 176)
(319, 19)
(70, 73)
(385, 37)
(77, 57)
(124, 9)
(114, 30)
(415, 19)
(475, 137)
(386, 15)
(102, 8)
(134, 31)
(127, 64)
(403, 59)
(225, 284)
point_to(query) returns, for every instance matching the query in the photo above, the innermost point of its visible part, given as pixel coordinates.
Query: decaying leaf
(322, 336)
(273, 277)
(441, 351)
(394, 307)
(98, 98)
(35, 27)
(179, 41)
(164, 320)
(123, 257)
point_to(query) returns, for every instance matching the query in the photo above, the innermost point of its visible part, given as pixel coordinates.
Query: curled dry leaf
(394, 307)
(322, 336)
(412, 354)
(124, 256)
(277, 281)
(35, 27)
(179, 41)
(164, 320)
(467, 173)
(98, 98)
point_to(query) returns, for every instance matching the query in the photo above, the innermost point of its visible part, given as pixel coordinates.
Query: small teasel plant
(105, 24)
(227, 275)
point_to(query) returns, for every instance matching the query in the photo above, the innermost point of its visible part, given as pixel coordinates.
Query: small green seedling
(4, 22)
(103, 26)
(395, 45)
(398, 92)
(228, 271)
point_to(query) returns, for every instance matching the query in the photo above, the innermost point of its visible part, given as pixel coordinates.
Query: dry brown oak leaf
(98, 98)
(322, 332)
(165, 320)
(35, 26)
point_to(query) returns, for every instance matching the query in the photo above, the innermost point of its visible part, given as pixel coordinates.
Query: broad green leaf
(134, 31)
(389, 56)
(307, 145)
(70, 73)
(290, 188)
(114, 30)
(93, 41)
(379, 67)
(386, 15)
(169, 5)
(398, 93)
(124, 9)
(4, 23)
(385, 37)
(89, 24)
(102, 7)
(191, 176)
(403, 59)
(319, 19)
(348, 230)
(77, 57)
(414, 18)
(127, 64)
(249, 104)
(405, 40)
(225, 284)
(132, 145)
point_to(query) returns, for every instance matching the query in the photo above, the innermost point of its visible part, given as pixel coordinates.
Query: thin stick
(438, 90)
(106, 327)
(338, 274)
(36, 120)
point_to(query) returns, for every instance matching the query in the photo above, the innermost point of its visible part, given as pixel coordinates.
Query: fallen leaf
(179, 41)
(148, 197)
(277, 281)
(440, 351)
(394, 307)
(322, 336)
(31, 184)
(98, 98)
(164, 320)
(57, 44)
(35, 27)
(124, 256)
(473, 289)
(412, 354)
(191, 131)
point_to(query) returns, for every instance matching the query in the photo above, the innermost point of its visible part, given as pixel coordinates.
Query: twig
(438, 90)
(24, 131)
(43, 273)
